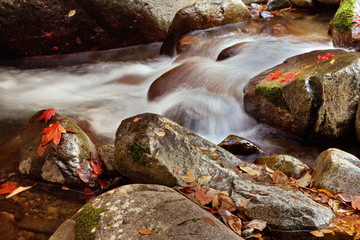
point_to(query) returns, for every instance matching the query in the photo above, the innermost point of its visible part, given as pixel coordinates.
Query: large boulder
(344, 27)
(202, 15)
(313, 94)
(65, 162)
(153, 149)
(45, 27)
(143, 211)
(337, 171)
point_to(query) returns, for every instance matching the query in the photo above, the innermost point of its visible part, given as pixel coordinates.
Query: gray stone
(303, 3)
(337, 171)
(67, 163)
(202, 15)
(277, 4)
(168, 214)
(289, 165)
(106, 153)
(153, 149)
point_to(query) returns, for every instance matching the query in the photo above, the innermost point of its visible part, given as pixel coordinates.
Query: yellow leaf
(317, 233)
(17, 191)
(204, 179)
(167, 126)
(203, 148)
(160, 134)
(332, 61)
(189, 177)
(250, 171)
(145, 231)
(72, 13)
(305, 180)
(212, 149)
(215, 155)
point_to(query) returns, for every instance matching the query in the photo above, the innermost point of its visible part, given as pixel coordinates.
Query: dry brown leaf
(250, 171)
(137, 119)
(244, 203)
(226, 203)
(212, 149)
(317, 233)
(203, 148)
(206, 219)
(345, 197)
(215, 155)
(279, 177)
(189, 177)
(145, 231)
(334, 204)
(167, 127)
(160, 134)
(18, 190)
(203, 197)
(235, 224)
(305, 180)
(326, 192)
(176, 171)
(257, 224)
(204, 179)
(295, 197)
(356, 203)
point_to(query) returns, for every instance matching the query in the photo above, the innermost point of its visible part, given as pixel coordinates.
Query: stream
(101, 89)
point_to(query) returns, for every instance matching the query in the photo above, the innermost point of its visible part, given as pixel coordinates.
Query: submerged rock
(202, 15)
(143, 211)
(153, 149)
(313, 94)
(233, 50)
(240, 146)
(67, 163)
(337, 171)
(289, 165)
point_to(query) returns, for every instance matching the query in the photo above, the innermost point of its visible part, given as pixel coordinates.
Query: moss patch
(87, 221)
(138, 153)
(273, 94)
(344, 16)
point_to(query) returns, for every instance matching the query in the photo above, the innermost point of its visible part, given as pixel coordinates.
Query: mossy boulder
(202, 15)
(313, 94)
(344, 27)
(67, 163)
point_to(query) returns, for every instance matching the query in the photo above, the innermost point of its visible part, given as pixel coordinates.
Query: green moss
(87, 221)
(273, 94)
(344, 15)
(138, 153)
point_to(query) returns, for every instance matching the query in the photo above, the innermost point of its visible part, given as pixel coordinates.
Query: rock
(7, 230)
(337, 171)
(357, 122)
(153, 149)
(162, 212)
(317, 101)
(106, 154)
(67, 163)
(343, 29)
(202, 15)
(303, 3)
(277, 4)
(232, 50)
(240, 146)
(46, 27)
(330, 2)
(40, 225)
(289, 165)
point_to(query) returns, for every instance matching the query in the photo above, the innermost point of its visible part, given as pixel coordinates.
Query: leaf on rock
(326, 56)
(8, 188)
(288, 77)
(206, 219)
(251, 171)
(226, 203)
(46, 115)
(317, 233)
(18, 190)
(274, 75)
(257, 224)
(137, 119)
(176, 170)
(96, 166)
(327, 192)
(232, 221)
(279, 177)
(345, 197)
(160, 134)
(356, 203)
(295, 197)
(167, 127)
(189, 177)
(145, 231)
(204, 179)
(52, 133)
(71, 13)
(305, 180)
(204, 198)
(244, 203)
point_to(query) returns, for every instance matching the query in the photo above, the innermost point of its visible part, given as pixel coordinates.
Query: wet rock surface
(239, 146)
(133, 211)
(153, 149)
(66, 163)
(337, 171)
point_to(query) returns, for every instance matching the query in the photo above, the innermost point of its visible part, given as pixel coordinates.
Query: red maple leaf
(356, 203)
(52, 133)
(8, 188)
(96, 166)
(274, 75)
(288, 78)
(46, 115)
(204, 198)
(326, 56)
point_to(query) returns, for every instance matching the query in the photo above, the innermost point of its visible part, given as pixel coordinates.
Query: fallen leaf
(334, 204)
(167, 127)
(46, 115)
(295, 197)
(345, 197)
(327, 192)
(215, 202)
(279, 177)
(204, 198)
(232, 221)
(65, 188)
(326, 56)
(212, 149)
(203, 148)
(305, 180)
(206, 219)
(274, 75)
(8, 188)
(71, 13)
(288, 77)
(244, 203)
(204, 179)
(317, 233)
(52, 133)
(215, 155)
(189, 177)
(71, 131)
(18, 190)
(257, 224)
(250, 171)
(41, 149)
(176, 170)
(160, 134)
(137, 119)
(356, 203)
(332, 61)
(145, 231)
(226, 203)
(96, 166)
(55, 48)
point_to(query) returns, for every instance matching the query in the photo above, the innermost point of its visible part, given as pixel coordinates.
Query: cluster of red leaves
(356, 20)
(220, 204)
(326, 56)
(281, 77)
